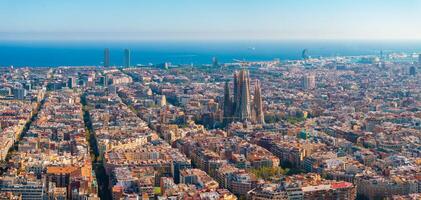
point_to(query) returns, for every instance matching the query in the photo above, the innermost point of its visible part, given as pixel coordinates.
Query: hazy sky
(209, 19)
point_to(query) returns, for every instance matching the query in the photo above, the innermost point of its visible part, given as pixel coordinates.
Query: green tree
(267, 173)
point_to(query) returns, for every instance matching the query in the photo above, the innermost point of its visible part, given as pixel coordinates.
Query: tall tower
(309, 82)
(419, 60)
(215, 62)
(127, 58)
(258, 104)
(412, 71)
(106, 57)
(71, 82)
(236, 101)
(244, 107)
(227, 104)
(304, 54)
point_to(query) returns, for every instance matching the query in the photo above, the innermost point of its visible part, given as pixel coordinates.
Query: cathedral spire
(244, 98)
(227, 104)
(258, 104)
(242, 107)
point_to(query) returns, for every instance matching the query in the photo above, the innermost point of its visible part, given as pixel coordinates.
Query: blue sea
(83, 53)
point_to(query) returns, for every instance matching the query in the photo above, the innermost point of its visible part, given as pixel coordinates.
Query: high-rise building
(309, 82)
(27, 85)
(103, 80)
(215, 62)
(304, 54)
(127, 58)
(19, 93)
(241, 107)
(412, 71)
(419, 59)
(106, 57)
(71, 82)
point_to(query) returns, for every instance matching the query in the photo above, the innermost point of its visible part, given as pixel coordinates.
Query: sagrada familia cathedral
(241, 107)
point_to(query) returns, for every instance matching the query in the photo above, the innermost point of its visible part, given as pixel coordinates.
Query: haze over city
(209, 20)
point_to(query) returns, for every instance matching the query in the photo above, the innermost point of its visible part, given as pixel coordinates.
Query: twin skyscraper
(240, 107)
(126, 60)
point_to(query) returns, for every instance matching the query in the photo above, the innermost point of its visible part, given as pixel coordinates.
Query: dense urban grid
(315, 128)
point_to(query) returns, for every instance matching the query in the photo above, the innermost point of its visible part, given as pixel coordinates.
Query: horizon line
(208, 39)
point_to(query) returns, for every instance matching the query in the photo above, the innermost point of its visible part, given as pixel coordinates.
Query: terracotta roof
(61, 170)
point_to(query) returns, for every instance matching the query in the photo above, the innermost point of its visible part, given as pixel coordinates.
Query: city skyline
(209, 20)
(210, 100)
